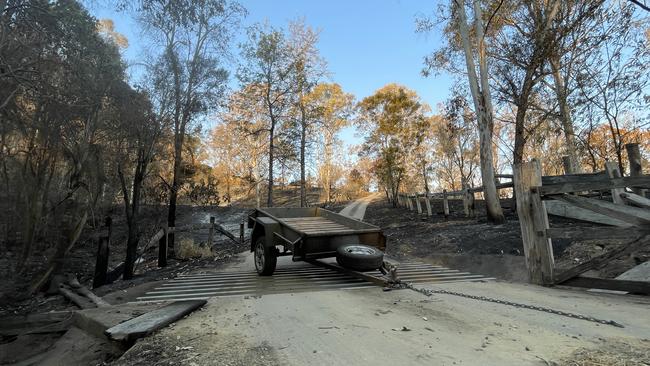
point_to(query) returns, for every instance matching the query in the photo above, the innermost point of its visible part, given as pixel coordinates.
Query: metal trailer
(312, 233)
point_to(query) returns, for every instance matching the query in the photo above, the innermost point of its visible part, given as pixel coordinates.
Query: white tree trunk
(565, 115)
(482, 105)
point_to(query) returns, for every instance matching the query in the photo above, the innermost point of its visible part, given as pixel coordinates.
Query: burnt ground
(474, 244)
(80, 262)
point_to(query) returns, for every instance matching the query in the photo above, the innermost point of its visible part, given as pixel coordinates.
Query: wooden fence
(627, 217)
(160, 239)
(414, 201)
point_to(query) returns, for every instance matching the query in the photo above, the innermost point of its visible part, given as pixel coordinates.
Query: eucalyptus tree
(309, 69)
(333, 108)
(188, 73)
(474, 50)
(269, 64)
(392, 118)
(612, 82)
(60, 80)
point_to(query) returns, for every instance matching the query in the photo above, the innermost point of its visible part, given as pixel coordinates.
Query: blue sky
(367, 44)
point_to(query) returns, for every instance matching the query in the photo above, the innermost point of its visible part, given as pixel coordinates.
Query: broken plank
(635, 287)
(80, 301)
(147, 323)
(600, 260)
(52, 322)
(635, 199)
(563, 209)
(631, 215)
(590, 233)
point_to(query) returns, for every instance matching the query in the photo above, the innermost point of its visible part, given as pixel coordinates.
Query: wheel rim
(259, 256)
(356, 249)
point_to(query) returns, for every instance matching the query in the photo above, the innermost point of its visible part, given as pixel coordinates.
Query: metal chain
(429, 292)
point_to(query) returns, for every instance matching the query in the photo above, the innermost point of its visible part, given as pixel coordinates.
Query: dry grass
(187, 249)
(616, 353)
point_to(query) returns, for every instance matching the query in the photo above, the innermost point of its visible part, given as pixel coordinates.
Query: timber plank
(636, 200)
(635, 287)
(563, 209)
(590, 233)
(631, 215)
(147, 323)
(53, 322)
(606, 183)
(600, 260)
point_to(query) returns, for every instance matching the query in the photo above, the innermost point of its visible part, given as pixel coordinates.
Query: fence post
(445, 203)
(534, 222)
(162, 248)
(613, 172)
(417, 203)
(427, 202)
(103, 252)
(241, 232)
(408, 201)
(634, 157)
(211, 232)
(468, 202)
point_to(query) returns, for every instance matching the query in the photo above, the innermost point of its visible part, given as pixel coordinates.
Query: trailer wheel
(265, 258)
(359, 257)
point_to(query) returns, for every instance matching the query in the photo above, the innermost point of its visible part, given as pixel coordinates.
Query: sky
(366, 43)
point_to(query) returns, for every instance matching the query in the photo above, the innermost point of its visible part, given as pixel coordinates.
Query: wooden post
(568, 167)
(211, 232)
(534, 222)
(417, 203)
(634, 157)
(241, 232)
(468, 202)
(101, 263)
(162, 248)
(613, 172)
(427, 202)
(445, 203)
(409, 203)
(103, 253)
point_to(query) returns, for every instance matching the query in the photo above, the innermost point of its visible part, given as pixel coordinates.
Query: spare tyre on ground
(359, 257)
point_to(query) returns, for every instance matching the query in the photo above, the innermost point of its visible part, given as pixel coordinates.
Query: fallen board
(152, 321)
(635, 287)
(52, 322)
(559, 208)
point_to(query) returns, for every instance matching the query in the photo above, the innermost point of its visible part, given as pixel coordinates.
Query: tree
(332, 108)
(392, 117)
(240, 141)
(612, 82)
(309, 68)
(188, 77)
(61, 82)
(269, 65)
(137, 130)
(480, 89)
(457, 142)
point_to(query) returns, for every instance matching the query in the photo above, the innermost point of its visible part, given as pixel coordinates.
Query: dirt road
(400, 327)
(357, 209)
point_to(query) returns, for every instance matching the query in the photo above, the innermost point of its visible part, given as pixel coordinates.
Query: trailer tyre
(359, 257)
(265, 258)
